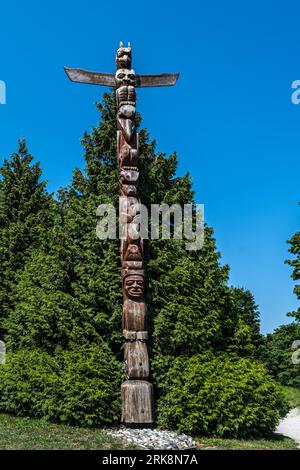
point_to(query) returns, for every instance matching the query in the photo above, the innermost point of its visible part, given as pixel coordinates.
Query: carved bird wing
(108, 79)
(164, 79)
(94, 78)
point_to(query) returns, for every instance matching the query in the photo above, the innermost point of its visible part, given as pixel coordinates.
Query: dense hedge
(79, 386)
(222, 396)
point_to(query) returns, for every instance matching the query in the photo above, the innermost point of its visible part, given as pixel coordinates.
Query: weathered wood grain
(134, 316)
(92, 78)
(136, 360)
(137, 402)
(164, 79)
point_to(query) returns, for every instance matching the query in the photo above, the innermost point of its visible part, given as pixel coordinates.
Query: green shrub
(79, 387)
(276, 351)
(219, 396)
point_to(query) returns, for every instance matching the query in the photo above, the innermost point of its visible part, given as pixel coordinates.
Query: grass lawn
(292, 395)
(275, 443)
(29, 434)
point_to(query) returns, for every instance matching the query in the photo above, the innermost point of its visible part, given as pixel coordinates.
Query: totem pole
(137, 391)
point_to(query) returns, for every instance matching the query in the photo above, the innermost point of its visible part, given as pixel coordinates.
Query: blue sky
(230, 117)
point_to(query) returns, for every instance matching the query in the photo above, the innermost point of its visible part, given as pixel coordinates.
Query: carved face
(133, 253)
(123, 59)
(129, 176)
(134, 285)
(128, 180)
(128, 190)
(125, 77)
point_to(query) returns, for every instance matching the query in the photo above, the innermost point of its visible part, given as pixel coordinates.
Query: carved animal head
(128, 190)
(123, 58)
(133, 253)
(128, 180)
(125, 77)
(129, 176)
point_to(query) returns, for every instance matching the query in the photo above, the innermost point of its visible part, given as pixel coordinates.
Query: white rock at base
(154, 439)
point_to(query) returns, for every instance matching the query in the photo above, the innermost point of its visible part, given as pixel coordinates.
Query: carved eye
(132, 77)
(121, 75)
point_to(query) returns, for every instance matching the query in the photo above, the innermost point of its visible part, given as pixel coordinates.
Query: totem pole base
(137, 402)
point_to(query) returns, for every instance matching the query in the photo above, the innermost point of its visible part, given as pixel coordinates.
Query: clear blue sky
(230, 117)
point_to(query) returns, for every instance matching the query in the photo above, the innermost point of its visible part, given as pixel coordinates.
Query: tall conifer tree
(74, 295)
(69, 295)
(24, 220)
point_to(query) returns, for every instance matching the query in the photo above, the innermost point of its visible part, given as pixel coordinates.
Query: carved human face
(125, 77)
(134, 285)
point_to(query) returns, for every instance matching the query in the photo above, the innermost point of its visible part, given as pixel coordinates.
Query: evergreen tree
(25, 213)
(295, 264)
(246, 339)
(72, 291)
(89, 266)
(75, 296)
(69, 292)
(277, 352)
(188, 298)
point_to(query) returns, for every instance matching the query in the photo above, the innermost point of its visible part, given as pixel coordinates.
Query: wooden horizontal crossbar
(108, 79)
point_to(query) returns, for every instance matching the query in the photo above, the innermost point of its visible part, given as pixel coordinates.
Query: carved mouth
(135, 291)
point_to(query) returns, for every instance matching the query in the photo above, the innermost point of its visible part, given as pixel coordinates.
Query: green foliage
(79, 386)
(46, 314)
(49, 313)
(188, 298)
(71, 292)
(25, 216)
(276, 352)
(220, 396)
(197, 312)
(63, 288)
(292, 396)
(246, 338)
(295, 264)
(276, 349)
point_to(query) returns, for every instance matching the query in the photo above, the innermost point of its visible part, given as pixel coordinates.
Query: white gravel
(290, 425)
(154, 438)
(158, 439)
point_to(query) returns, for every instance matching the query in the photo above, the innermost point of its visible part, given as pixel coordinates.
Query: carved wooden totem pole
(137, 391)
